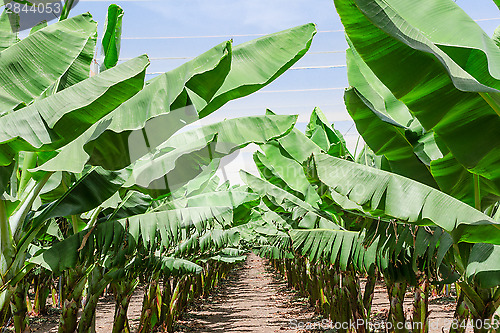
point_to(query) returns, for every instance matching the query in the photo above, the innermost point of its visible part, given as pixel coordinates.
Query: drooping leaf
(207, 143)
(448, 78)
(385, 194)
(341, 247)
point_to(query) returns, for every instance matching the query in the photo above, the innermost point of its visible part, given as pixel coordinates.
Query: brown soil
(104, 315)
(252, 299)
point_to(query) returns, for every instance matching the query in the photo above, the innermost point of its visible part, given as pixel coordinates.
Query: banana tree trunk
(123, 291)
(72, 289)
(19, 308)
(42, 291)
(461, 315)
(397, 316)
(371, 281)
(97, 282)
(356, 301)
(420, 323)
(166, 299)
(149, 313)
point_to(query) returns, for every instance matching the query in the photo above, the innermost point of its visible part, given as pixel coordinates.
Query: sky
(155, 27)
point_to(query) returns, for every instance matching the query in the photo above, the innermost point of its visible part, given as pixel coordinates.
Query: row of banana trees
(103, 183)
(419, 205)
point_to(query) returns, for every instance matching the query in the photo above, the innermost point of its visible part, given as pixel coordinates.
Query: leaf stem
(477, 192)
(28, 163)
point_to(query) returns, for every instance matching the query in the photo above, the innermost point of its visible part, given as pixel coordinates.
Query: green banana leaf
(373, 109)
(285, 173)
(436, 60)
(164, 110)
(483, 265)
(312, 217)
(178, 267)
(322, 133)
(58, 119)
(108, 237)
(258, 62)
(388, 127)
(111, 39)
(226, 198)
(182, 96)
(338, 247)
(392, 196)
(20, 78)
(80, 69)
(223, 138)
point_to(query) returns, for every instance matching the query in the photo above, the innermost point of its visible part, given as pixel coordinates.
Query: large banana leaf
(58, 119)
(338, 247)
(308, 216)
(322, 133)
(382, 121)
(223, 138)
(80, 68)
(98, 184)
(182, 96)
(51, 51)
(258, 62)
(392, 196)
(436, 60)
(388, 127)
(109, 237)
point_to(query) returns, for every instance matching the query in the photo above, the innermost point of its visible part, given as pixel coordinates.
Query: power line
(487, 19)
(183, 58)
(318, 67)
(292, 68)
(298, 90)
(214, 36)
(253, 35)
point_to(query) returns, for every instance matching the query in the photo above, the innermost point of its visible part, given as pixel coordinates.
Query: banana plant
(154, 241)
(66, 113)
(412, 119)
(400, 253)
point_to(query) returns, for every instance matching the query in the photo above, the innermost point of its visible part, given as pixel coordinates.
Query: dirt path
(251, 300)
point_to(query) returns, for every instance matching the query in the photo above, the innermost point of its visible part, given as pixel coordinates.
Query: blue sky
(213, 21)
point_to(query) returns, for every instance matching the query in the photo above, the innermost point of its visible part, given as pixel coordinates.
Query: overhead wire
(253, 35)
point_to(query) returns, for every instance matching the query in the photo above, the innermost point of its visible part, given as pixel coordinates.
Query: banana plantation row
(101, 189)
